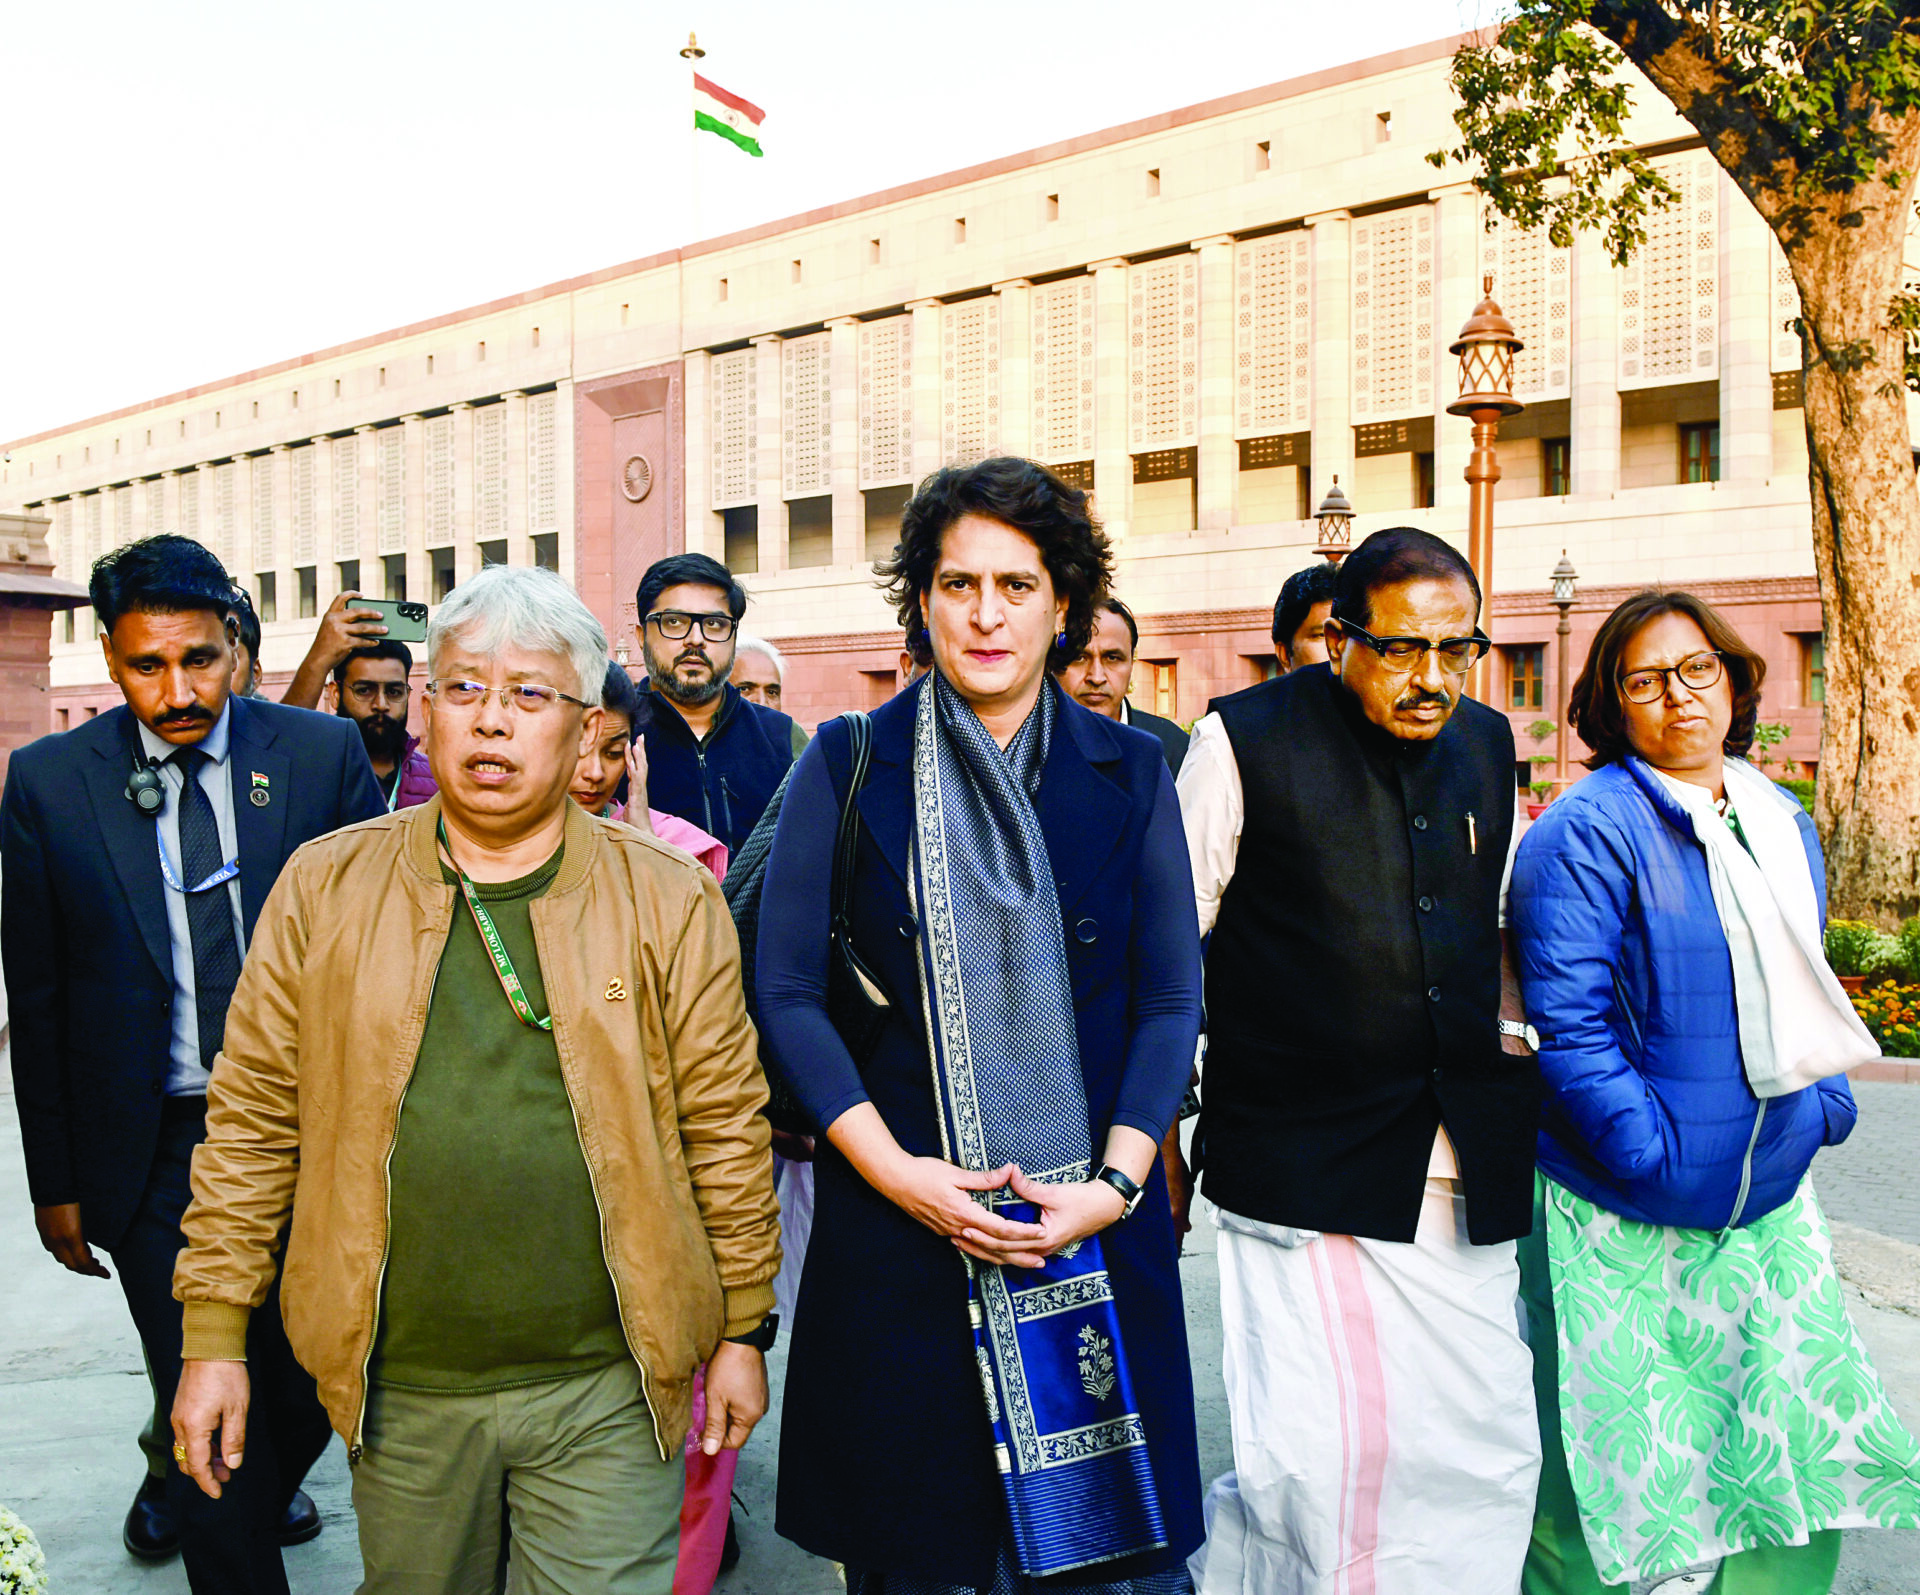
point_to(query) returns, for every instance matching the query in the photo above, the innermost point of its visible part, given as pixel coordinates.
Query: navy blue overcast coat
(89, 963)
(885, 1450)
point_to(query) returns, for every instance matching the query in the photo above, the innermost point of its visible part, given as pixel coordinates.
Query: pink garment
(689, 838)
(704, 1507)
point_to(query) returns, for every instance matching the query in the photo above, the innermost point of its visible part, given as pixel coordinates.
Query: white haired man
(445, 1011)
(759, 670)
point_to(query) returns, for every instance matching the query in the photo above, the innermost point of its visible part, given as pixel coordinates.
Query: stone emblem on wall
(636, 478)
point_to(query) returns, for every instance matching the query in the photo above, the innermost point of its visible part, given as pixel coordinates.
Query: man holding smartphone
(369, 671)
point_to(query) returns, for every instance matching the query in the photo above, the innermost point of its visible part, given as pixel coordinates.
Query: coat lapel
(129, 839)
(1083, 809)
(886, 802)
(260, 827)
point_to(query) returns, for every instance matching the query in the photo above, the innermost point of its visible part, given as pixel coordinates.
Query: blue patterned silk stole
(998, 1000)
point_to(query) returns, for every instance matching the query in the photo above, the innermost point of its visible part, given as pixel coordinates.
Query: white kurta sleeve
(1212, 807)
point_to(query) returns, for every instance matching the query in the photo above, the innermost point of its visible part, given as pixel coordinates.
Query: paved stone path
(72, 1396)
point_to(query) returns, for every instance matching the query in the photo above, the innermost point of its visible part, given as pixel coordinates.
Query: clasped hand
(940, 1196)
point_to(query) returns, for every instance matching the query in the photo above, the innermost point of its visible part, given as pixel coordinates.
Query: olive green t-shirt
(495, 1271)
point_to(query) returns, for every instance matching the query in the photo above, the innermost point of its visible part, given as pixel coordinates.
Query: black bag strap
(847, 841)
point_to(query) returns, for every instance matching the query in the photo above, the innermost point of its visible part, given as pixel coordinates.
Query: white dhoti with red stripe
(1384, 1437)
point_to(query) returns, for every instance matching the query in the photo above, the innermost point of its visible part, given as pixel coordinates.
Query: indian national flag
(733, 118)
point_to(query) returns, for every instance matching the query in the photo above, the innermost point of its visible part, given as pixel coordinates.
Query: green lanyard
(496, 948)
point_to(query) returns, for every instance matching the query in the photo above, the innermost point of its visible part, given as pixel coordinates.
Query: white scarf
(1797, 1025)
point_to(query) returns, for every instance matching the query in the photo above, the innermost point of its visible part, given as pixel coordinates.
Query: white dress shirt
(187, 1071)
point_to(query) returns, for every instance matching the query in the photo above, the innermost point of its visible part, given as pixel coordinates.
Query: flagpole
(691, 54)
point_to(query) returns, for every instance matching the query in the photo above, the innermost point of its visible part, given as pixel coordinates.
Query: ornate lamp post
(1564, 579)
(1335, 518)
(1486, 348)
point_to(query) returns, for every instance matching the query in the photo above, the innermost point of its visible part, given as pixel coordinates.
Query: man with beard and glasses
(1371, 1099)
(138, 849)
(713, 757)
(370, 689)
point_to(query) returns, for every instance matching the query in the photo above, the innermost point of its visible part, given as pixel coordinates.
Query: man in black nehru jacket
(1368, 1127)
(137, 851)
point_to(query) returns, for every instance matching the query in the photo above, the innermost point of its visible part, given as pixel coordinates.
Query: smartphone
(405, 620)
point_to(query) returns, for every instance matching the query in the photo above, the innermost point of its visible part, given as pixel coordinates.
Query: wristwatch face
(1510, 1027)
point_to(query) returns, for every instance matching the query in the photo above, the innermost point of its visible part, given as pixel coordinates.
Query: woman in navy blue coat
(989, 1383)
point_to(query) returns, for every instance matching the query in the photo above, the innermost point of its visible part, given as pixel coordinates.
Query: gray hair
(522, 606)
(745, 642)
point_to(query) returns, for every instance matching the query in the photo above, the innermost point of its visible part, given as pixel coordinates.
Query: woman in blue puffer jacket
(1707, 1410)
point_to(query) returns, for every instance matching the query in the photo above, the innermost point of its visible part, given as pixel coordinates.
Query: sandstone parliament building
(1204, 317)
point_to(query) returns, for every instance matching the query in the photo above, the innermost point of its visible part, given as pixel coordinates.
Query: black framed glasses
(1458, 655)
(378, 691)
(1697, 672)
(677, 623)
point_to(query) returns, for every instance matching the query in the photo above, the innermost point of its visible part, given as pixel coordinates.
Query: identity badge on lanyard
(219, 877)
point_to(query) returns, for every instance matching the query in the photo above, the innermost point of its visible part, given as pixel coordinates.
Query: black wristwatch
(1130, 1191)
(761, 1336)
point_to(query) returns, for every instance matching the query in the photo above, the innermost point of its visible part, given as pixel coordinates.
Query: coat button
(1086, 932)
(1419, 822)
(1426, 905)
(909, 927)
(155, 1088)
(1433, 994)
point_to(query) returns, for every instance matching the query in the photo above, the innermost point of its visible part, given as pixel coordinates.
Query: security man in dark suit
(135, 854)
(1100, 674)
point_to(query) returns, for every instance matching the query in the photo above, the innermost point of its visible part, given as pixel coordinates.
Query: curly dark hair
(1017, 493)
(1595, 707)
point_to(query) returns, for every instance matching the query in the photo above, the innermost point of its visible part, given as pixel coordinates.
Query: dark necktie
(216, 954)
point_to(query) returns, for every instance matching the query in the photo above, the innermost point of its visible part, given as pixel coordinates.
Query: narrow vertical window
(1153, 182)
(959, 229)
(1263, 155)
(1053, 207)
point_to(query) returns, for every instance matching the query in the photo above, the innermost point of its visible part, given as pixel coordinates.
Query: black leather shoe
(302, 1521)
(149, 1533)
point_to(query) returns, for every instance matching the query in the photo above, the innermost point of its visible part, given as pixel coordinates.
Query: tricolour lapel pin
(261, 795)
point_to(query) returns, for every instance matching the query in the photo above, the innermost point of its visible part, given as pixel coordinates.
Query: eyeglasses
(677, 623)
(1458, 655)
(529, 697)
(1697, 672)
(370, 691)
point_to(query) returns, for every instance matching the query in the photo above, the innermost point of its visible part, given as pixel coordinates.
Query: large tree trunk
(1866, 544)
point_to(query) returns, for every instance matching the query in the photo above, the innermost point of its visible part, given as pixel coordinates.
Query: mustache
(1420, 697)
(185, 717)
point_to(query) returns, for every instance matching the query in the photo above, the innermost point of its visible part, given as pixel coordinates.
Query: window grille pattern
(390, 490)
(970, 381)
(736, 426)
(262, 506)
(1163, 365)
(439, 449)
(1063, 373)
(806, 415)
(490, 473)
(156, 506)
(226, 513)
(1784, 307)
(95, 522)
(886, 401)
(1393, 315)
(306, 537)
(1272, 335)
(190, 504)
(346, 497)
(1670, 290)
(122, 516)
(1533, 282)
(543, 464)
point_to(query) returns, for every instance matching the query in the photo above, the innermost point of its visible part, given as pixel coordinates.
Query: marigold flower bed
(1892, 1013)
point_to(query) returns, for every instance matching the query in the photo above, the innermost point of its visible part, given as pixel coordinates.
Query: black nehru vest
(1353, 977)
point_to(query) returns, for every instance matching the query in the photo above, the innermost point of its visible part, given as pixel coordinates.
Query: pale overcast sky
(198, 189)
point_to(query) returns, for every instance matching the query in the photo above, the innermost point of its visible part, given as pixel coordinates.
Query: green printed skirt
(1714, 1396)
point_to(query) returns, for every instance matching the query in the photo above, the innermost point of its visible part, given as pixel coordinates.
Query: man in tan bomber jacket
(489, 1073)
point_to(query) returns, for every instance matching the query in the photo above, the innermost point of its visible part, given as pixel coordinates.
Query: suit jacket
(881, 1325)
(83, 931)
(1173, 741)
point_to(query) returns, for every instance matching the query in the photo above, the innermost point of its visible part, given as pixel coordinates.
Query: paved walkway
(72, 1395)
